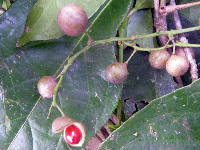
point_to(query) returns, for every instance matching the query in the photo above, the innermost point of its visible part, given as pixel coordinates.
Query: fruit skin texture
(74, 133)
(46, 85)
(177, 65)
(158, 59)
(72, 20)
(116, 72)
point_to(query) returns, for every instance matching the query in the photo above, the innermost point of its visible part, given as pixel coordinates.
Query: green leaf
(12, 26)
(85, 94)
(191, 13)
(169, 122)
(147, 4)
(141, 23)
(41, 22)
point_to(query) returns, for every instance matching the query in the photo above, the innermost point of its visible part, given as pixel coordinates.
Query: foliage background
(85, 95)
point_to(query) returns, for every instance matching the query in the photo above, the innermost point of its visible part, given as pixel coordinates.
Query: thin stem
(161, 48)
(70, 61)
(89, 38)
(171, 8)
(112, 39)
(54, 103)
(138, 37)
(134, 51)
(58, 107)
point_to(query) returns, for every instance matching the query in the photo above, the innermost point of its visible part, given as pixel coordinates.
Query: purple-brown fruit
(116, 72)
(72, 19)
(177, 65)
(46, 86)
(158, 59)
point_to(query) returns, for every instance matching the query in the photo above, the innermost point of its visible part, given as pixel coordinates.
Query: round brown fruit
(116, 72)
(46, 86)
(177, 65)
(158, 59)
(72, 19)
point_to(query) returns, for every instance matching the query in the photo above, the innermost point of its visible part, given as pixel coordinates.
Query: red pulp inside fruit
(73, 134)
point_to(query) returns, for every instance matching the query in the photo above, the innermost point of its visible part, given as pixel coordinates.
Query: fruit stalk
(134, 51)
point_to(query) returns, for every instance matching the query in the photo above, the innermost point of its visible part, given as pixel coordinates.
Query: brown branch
(182, 38)
(160, 22)
(165, 10)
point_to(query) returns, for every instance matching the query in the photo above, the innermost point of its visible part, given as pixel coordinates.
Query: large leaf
(12, 25)
(191, 13)
(85, 95)
(141, 23)
(169, 122)
(41, 22)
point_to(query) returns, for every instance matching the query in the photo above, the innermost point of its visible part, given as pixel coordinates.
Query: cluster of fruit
(176, 64)
(72, 20)
(74, 133)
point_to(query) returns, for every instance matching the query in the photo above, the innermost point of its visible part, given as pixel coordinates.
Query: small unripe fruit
(180, 52)
(72, 19)
(46, 86)
(75, 134)
(158, 59)
(116, 72)
(60, 123)
(177, 65)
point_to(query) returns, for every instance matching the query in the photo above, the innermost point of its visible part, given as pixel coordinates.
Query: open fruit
(46, 86)
(116, 72)
(72, 19)
(75, 134)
